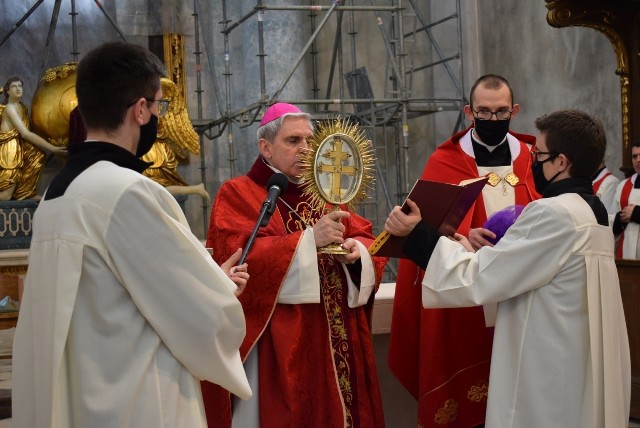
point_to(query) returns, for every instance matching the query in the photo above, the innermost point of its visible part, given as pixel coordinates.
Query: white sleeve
(608, 192)
(175, 284)
(358, 296)
(527, 257)
(302, 283)
(615, 204)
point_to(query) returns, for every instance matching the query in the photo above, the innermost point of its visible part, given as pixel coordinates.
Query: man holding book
(440, 372)
(560, 353)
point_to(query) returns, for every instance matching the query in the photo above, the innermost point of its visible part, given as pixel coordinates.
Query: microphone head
(280, 180)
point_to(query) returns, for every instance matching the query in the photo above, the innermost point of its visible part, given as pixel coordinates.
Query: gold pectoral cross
(336, 168)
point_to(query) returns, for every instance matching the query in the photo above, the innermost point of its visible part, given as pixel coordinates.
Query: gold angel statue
(22, 152)
(176, 139)
(56, 116)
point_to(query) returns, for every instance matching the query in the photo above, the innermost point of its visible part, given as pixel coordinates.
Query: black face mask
(148, 135)
(491, 132)
(538, 174)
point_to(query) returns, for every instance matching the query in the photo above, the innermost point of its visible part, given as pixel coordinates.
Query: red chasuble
(442, 356)
(316, 361)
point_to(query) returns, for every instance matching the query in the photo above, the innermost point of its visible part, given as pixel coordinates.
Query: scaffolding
(411, 37)
(419, 43)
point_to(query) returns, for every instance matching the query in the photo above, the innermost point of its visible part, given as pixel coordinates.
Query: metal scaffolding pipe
(50, 34)
(203, 164)
(227, 79)
(304, 51)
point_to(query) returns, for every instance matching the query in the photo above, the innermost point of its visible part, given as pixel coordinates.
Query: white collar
(467, 146)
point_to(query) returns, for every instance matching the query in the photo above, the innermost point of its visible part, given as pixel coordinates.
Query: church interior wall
(549, 69)
(552, 69)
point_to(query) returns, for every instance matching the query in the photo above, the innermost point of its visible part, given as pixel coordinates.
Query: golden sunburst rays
(338, 168)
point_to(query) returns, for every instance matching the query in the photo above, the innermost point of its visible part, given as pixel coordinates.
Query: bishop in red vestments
(442, 356)
(310, 339)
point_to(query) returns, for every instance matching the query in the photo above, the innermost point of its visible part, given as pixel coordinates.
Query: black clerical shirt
(82, 155)
(499, 156)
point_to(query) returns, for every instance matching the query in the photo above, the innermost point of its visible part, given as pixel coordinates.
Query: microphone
(277, 184)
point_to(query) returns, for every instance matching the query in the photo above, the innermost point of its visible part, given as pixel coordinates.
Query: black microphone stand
(252, 237)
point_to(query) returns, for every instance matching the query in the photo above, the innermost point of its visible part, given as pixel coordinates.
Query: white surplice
(123, 311)
(631, 242)
(560, 350)
(607, 190)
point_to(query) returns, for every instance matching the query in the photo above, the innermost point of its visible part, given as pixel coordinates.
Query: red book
(442, 206)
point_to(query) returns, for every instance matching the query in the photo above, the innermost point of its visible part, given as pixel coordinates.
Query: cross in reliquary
(336, 168)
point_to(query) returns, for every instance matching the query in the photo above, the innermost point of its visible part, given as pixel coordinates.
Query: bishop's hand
(329, 230)
(353, 253)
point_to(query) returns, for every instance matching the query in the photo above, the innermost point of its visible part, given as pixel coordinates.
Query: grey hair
(269, 130)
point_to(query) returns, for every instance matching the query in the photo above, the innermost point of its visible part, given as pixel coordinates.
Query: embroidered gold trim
(447, 413)
(478, 392)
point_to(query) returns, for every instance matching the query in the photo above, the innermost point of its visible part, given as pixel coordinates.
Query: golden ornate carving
(176, 139)
(53, 101)
(174, 59)
(21, 150)
(14, 270)
(338, 166)
(175, 127)
(566, 13)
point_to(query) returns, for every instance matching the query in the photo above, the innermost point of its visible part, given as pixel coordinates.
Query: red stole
(624, 201)
(316, 362)
(442, 356)
(597, 184)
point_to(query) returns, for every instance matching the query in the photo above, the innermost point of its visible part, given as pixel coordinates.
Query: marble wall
(549, 68)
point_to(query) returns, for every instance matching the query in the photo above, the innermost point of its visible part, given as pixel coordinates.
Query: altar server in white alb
(626, 205)
(560, 351)
(604, 186)
(124, 311)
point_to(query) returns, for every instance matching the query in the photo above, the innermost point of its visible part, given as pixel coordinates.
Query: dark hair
(578, 136)
(112, 77)
(490, 81)
(7, 85)
(636, 143)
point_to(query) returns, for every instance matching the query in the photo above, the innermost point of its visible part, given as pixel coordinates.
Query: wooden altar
(629, 273)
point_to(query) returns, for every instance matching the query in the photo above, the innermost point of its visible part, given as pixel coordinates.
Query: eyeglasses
(535, 155)
(163, 106)
(488, 114)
